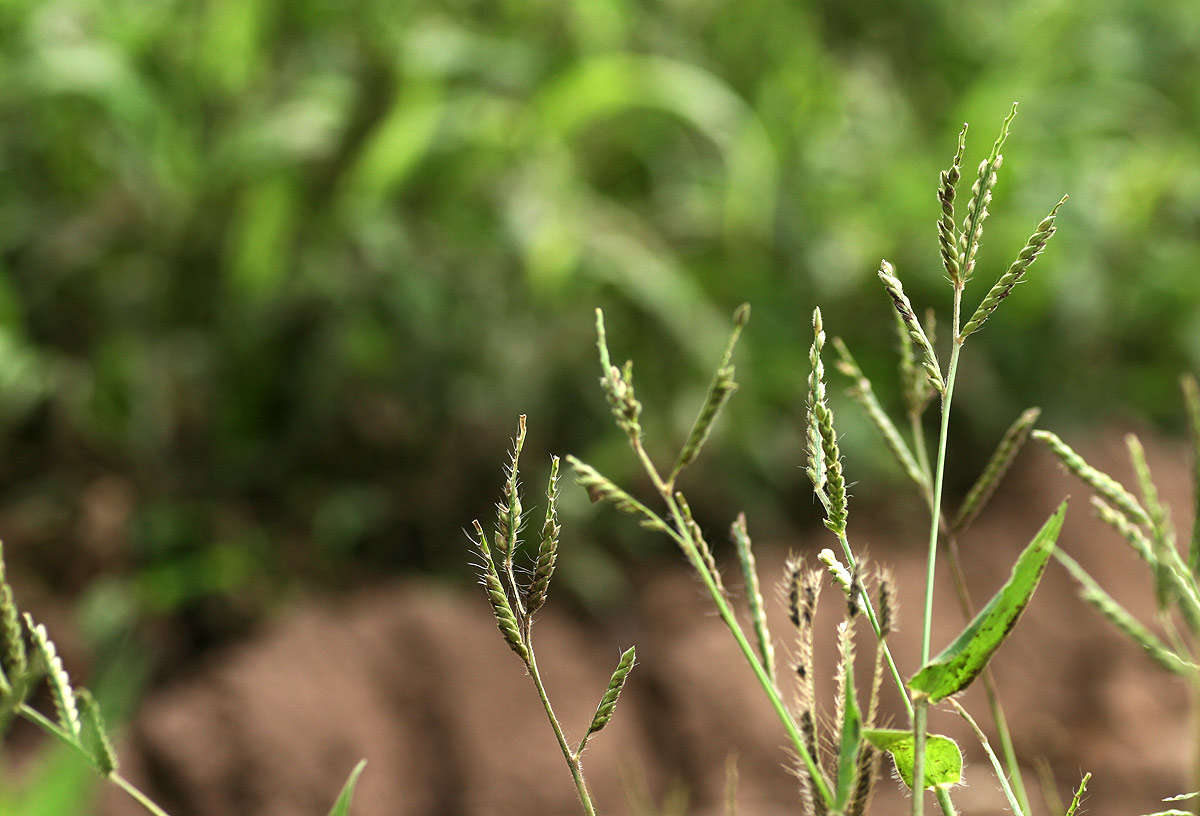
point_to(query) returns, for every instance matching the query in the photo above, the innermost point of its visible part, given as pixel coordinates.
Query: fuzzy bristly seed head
(617, 385)
(608, 703)
(895, 290)
(508, 509)
(887, 602)
(14, 661)
(547, 546)
(947, 234)
(1016, 271)
(825, 467)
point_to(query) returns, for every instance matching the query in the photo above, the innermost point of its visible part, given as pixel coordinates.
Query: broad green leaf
(851, 740)
(962, 661)
(342, 806)
(943, 760)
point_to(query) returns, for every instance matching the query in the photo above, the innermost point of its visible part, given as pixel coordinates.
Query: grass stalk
(691, 550)
(571, 757)
(921, 715)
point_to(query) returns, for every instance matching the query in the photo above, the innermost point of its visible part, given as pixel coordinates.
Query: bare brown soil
(415, 678)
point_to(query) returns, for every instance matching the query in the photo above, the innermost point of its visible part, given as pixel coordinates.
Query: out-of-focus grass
(277, 268)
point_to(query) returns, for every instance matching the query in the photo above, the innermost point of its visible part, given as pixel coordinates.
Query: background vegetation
(275, 278)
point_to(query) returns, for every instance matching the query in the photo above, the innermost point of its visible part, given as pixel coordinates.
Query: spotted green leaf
(943, 760)
(962, 661)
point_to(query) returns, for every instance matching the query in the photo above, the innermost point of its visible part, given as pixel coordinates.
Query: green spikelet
(95, 737)
(981, 196)
(608, 703)
(947, 234)
(618, 386)
(1010, 445)
(14, 660)
(719, 391)
(548, 545)
(835, 481)
(862, 393)
(1102, 483)
(600, 488)
(1003, 287)
(895, 290)
(754, 598)
(1191, 399)
(56, 676)
(508, 509)
(506, 619)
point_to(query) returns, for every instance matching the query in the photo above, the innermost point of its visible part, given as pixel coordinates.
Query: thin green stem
(570, 756)
(730, 619)
(50, 727)
(874, 621)
(922, 450)
(1017, 807)
(921, 719)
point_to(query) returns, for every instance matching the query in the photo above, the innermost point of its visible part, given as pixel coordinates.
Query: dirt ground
(415, 678)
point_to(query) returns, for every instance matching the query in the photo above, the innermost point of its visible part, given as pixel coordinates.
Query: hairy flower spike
(14, 661)
(1108, 487)
(548, 545)
(895, 290)
(947, 233)
(618, 386)
(600, 488)
(94, 733)
(506, 619)
(608, 703)
(981, 196)
(508, 509)
(1016, 271)
(833, 496)
(754, 598)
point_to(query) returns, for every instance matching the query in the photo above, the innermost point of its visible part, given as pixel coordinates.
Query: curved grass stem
(571, 757)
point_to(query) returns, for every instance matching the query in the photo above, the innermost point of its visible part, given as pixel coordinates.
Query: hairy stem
(570, 756)
(920, 720)
(691, 550)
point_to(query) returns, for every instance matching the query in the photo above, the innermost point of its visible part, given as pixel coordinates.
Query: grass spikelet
(95, 736)
(1127, 529)
(947, 233)
(600, 488)
(1191, 399)
(887, 603)
(1106, 605)
(1002, 458)
(506, 619)
(14, 660)
(1003, 287)
(1161, 536)
(697, 537)
(981, 197)
(508, 509)
(848, 716)
(862, 393)
(617, 384)
(841, 576)
(895, 290)
(719, 391)
(1108, 487)
(547, 554)
(608, 703)
(835, 481)
(754, 598)
(56, 677)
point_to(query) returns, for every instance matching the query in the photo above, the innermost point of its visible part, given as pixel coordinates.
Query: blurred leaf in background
(283, 272)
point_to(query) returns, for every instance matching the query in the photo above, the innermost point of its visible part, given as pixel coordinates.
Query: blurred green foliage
(284, 273)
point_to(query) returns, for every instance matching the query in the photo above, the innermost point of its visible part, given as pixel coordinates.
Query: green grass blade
(342, 806)
(962, 661)
(943, 759)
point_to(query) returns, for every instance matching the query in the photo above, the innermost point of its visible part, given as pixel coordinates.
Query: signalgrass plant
(840, 783)
(29, 660)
